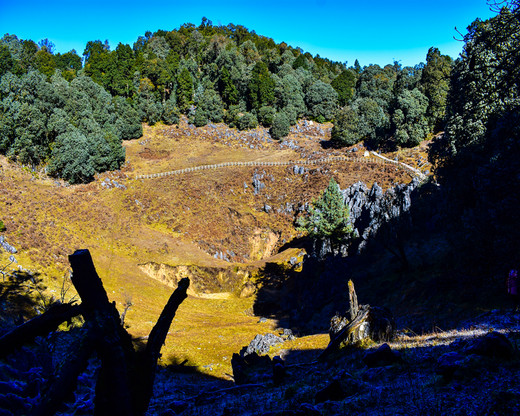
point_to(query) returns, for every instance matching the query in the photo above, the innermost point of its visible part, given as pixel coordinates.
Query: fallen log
(40, 325)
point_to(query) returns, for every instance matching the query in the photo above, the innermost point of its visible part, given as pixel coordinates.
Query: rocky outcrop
(261, 344)
(6, 246)
(382, 356)
(371, 208)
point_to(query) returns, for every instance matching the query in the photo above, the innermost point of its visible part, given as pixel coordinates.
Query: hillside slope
(219, 227)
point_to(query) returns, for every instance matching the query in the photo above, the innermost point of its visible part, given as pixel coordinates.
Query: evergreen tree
(322, 101)
(411, 124)
(328, 217)
(345, 130)
(261, 87)
(281, 126)
(211, 104)
(6, 61)
(184, 90)
(71, 158)
(171, 113)
(344, 84)
(477, 159)
(266, 116)
(201, 118)
(247, 121)
(289, 93)
(227, 88)
(435, 85)
(483, 98)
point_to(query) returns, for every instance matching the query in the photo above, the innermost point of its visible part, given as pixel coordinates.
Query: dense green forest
(71, 112)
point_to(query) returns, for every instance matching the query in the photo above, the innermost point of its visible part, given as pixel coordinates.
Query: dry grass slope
(195, 219)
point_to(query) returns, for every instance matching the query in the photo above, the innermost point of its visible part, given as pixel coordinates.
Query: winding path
(367, 159)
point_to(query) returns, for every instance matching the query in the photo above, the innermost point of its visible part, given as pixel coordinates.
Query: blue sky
(373, 32)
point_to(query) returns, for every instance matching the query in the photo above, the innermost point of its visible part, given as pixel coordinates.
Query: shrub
(266, 116)
(171, 112)
(281, 126)
(247, 121)
(200, 119)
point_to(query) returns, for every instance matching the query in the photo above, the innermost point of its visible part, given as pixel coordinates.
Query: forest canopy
(71, 112)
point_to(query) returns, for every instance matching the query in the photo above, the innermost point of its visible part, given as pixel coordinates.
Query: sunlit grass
(180, 220)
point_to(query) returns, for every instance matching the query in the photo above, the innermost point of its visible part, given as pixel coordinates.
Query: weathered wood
(354, 307)
(342, 335)
(155, 342)
(115, 345)
(125, 381)
(363, 322)
(40, 325)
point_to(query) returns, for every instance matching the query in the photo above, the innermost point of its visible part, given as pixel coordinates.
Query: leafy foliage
(212, 74)
(477, 159)
(322, 101)
(74, 126)
(411, 125)
(393, 105)
(435, 85)
(344, 84)
(261, 87)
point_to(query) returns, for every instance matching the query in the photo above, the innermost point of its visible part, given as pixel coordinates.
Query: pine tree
(184, 90)
(328, 217)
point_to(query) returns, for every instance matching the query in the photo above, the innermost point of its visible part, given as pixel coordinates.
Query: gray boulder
(261, 344)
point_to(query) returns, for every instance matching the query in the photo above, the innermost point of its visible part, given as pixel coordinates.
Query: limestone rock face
(371, 208)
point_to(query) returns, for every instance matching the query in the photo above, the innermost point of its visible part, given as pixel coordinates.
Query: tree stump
(362, 322)
(125, 380)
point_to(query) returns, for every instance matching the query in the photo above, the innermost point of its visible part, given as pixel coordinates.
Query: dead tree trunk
(114, 345)
(155, 342)
(125, 381)
(363, 322)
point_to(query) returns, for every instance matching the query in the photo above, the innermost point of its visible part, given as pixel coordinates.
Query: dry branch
(41, 325)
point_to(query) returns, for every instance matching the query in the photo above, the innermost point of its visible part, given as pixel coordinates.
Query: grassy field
(186, 220)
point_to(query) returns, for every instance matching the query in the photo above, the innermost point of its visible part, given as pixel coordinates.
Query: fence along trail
(377, 159)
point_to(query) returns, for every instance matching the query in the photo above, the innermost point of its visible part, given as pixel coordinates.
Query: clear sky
(376, 31)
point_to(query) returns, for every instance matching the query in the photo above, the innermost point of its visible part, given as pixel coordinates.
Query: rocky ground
(471, 370)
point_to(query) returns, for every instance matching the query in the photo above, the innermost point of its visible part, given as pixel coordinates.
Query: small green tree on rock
(328, 217)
